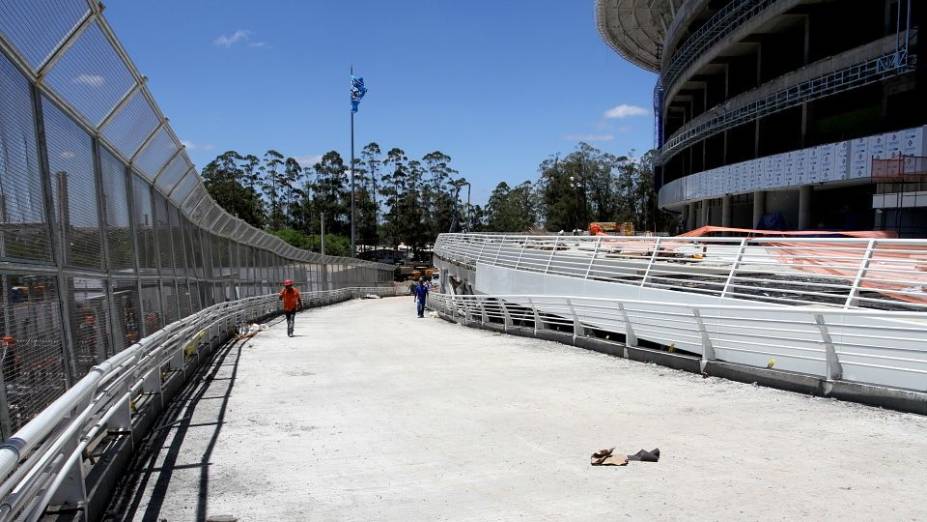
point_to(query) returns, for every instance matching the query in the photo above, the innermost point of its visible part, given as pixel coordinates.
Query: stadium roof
(632, 28)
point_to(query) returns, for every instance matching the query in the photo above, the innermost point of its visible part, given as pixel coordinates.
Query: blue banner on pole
(358, 90)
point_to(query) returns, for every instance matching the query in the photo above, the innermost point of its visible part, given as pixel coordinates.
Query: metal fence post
(537, 316)
(653, 256)
(495, 261)
(730, 275)
(833, 368)
(520, 253)
(863, 267)
(578, 330)
(552, 252)
(56, 244)
(708, 351)
(506, 317)
(630, 339)
(592, 259)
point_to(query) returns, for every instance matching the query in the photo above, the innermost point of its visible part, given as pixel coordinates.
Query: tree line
(410, 201)
(397, 199)
(574, 190)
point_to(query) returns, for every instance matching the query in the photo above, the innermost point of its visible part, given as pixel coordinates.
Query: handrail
(36, 459)
(872, 347)
(844, 272)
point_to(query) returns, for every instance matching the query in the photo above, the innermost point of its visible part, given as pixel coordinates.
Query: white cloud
(589, 137)
(258, 44)
(625, 111)
(195, 146)
(308, 160)
(90, 80)
(227, 41)
(66, 154)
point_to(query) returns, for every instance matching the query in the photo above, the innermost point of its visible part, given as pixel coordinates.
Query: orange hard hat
(288, 282)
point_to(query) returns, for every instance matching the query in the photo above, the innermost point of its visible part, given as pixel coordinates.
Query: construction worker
(292, 303)
(421, 293)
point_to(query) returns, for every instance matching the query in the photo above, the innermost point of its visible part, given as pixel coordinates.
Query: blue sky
(497, 85)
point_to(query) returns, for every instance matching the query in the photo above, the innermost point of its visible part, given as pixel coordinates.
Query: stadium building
(785, 114)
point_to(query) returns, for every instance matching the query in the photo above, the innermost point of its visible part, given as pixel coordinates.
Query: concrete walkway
(372, 414)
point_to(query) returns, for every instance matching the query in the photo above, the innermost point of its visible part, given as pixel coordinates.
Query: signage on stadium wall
(845, 160)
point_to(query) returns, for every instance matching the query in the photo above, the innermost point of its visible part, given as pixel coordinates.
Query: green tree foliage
(397, 199)
(590, 185)
(512, 209)
(228, 182)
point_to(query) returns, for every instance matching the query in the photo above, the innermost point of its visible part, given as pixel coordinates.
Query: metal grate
(32, 357)
(118, 225)
(129, 127)
(24, 231)
(155, 154)
(90, 75)
(144, 225)
(36, 28)
(127, 320)
(70, 163)
(163, 233)
(89, 311)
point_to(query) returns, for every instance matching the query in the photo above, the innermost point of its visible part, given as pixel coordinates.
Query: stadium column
(690, 216)
(759, 206)
(804, 207)
(726, 210)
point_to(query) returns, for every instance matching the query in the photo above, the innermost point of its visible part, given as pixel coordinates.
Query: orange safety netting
(897, 271)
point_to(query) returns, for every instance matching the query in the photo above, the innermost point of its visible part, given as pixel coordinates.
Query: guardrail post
(592, 259)
(73, 489)
(122, 419)
(578, 329)
(630, 339)
(537, 317)
(484, 317)
(552, 252)
(495, 261)
(730, 275)
(833, 369)
(520, 253)
(708, 351)
(863, 266)
(151, 385)
(653, 257)
(506, 317)
(479, 255)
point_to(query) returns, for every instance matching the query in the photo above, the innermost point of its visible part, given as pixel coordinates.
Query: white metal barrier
(45, 463)
(887, 274)
(886, 348)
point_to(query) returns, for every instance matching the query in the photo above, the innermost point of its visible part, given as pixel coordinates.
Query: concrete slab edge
(873, 395)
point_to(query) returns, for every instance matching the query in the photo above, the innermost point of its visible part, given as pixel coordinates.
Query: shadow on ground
(167, 437)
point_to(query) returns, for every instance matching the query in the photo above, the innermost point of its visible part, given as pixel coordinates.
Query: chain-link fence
(106, 230)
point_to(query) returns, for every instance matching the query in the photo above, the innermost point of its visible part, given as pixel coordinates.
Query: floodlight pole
(353, 226)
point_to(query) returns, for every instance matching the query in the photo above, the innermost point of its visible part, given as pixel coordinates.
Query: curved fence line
(869, 347)
(106, 230)
(47, 462)
(889, 274)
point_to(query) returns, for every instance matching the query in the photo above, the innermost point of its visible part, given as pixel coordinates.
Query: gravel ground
(372, 414)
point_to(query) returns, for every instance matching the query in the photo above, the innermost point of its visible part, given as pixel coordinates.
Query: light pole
(577, 185)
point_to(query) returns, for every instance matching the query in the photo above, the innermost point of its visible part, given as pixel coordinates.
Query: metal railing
(845, 273)
(50, 460)
(106, 230)
(864, 346)
(722, 23)
(727, 117)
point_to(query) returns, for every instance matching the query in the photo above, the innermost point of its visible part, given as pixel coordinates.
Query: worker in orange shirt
(292, 303)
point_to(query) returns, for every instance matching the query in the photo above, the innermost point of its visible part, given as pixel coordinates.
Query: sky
(498, 85)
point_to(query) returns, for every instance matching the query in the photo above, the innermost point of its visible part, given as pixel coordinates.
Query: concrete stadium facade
(772, 111)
